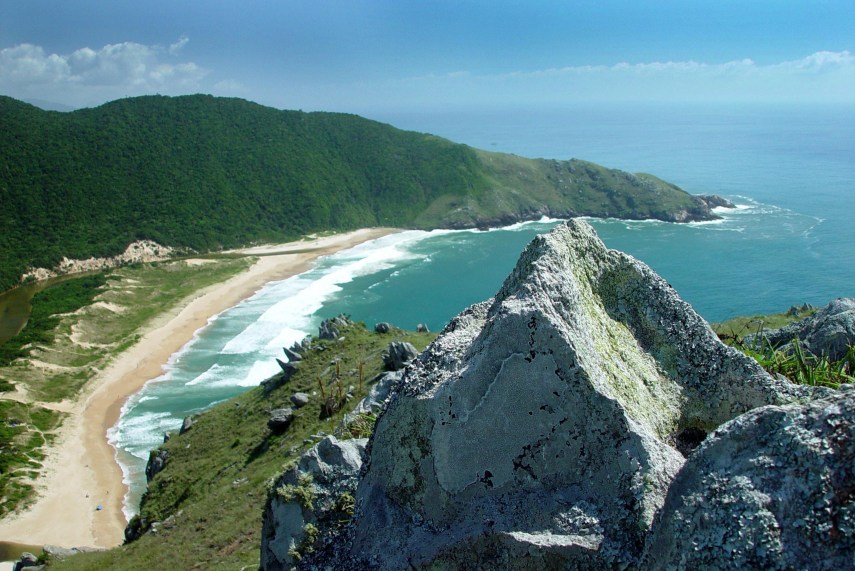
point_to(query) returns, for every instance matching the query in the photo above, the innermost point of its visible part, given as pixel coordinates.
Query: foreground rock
(772, 489)
(541, 428)
(829, 332)
(318, 492)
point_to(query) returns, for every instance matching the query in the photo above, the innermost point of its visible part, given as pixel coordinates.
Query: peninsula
(201, 173)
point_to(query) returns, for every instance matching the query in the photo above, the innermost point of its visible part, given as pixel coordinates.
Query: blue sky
(406, 55)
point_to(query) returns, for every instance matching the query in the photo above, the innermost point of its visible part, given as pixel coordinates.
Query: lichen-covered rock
(316, 494)
(830, 331)
(539, 429)
(772, 489)
(398, 354)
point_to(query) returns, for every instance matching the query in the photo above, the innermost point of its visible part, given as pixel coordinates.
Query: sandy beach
(81, 472)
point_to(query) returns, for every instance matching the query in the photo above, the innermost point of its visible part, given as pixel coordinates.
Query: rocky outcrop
(382, 327)
(136, 252)
(29, 562)
(829, 332)
(280, 419)
(299, 400)
(292, 354)
(716, 201)
(186, 425)
(772, 489)
(331, 328)
(157, 460)
(316, 494)
(398, 354)
(540, 429)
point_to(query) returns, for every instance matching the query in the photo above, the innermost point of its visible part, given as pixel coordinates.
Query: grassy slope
(738, 327)
(521, 188)
(215, 483)
(204, 172)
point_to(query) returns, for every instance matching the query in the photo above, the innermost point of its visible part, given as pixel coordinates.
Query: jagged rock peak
(541, 428)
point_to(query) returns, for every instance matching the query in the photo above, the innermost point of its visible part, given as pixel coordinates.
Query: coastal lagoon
(790, 170)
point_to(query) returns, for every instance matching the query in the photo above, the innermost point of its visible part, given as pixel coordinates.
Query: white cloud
(821, 76)
(179, 45)
(88, 76)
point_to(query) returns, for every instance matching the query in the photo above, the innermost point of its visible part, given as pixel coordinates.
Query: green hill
(205, 173)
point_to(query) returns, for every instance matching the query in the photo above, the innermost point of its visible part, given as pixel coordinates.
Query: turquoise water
(790, 170)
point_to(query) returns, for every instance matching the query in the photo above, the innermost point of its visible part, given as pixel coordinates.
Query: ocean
(791, 240)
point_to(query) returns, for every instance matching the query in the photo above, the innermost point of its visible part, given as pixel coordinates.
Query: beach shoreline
(82, 488)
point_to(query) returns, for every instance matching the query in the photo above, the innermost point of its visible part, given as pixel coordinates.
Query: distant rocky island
(204, 173)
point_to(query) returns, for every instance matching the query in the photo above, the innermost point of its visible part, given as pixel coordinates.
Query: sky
(408, 55)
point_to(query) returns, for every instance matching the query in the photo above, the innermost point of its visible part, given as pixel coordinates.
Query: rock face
(318, 492)
(772, 489)
(830, 331)
(540, 429)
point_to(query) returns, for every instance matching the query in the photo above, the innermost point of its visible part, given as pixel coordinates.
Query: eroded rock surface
(315, 494)
(539, 430)
(772, 489)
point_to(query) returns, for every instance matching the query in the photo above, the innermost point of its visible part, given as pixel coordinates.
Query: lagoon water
(791, 170)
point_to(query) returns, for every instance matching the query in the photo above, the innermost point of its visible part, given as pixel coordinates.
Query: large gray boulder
(830, 331)
(539, 430)
(315, 494)
(772, 489)
(398, 354)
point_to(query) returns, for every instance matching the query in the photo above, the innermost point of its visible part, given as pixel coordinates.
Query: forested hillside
(205, 173)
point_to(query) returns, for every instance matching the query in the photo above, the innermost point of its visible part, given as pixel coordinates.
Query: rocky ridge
(136, 252)
(544, 428)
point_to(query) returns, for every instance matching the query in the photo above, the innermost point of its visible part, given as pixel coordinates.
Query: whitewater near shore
(81, 491)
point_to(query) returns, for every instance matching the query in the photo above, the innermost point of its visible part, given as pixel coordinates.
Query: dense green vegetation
(204, 173)
(208, 498)
(48, 306)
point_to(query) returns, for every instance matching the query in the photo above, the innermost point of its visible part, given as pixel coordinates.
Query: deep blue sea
(790, 170)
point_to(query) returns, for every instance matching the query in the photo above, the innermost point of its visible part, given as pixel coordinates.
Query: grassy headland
(206, 173)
